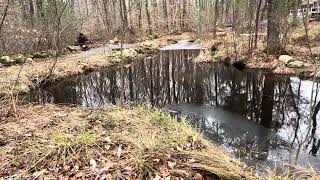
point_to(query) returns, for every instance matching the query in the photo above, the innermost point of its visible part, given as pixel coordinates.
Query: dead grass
(292, 172)
(131, 143)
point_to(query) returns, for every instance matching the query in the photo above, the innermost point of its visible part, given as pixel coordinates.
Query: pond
(259, 117)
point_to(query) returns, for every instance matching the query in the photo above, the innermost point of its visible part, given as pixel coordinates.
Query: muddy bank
(135, 143)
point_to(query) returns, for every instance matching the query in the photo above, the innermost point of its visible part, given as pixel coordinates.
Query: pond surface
(259, 117)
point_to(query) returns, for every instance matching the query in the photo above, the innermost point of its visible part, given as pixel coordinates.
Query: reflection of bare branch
(295, 107)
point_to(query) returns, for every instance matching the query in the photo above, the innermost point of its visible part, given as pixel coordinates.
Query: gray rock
(74, 48)
(296, 64)
(6, 60)
(19, 58)
(286, 59)
(41, 55)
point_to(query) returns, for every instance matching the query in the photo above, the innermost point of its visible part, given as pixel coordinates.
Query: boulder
(74, 48)
(19, 58)
(296, 64)
(286, 59)
(22, 88)
(41, 55)
(6, 60)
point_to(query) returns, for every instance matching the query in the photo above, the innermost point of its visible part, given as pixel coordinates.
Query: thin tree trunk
(148, 17)
(257, 24)
(215, 20)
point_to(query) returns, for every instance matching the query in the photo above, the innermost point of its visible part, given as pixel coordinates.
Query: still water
(259, 117)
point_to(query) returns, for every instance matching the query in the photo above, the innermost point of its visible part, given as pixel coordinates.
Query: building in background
(313, 8)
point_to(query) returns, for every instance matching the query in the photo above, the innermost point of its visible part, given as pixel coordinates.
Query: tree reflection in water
(280, 104)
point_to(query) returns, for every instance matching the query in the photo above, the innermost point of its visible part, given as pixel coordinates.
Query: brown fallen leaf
(164, 171)
(123, 162)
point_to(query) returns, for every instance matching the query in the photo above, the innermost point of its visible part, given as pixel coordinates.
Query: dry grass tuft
(132, 143)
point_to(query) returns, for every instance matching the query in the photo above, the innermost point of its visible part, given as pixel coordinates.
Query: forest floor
(44, 142)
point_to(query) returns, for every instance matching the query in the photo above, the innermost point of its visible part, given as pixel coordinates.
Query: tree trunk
(215, 20)
(295, 21)
(273, 33)
(148, 17)
(257, 24)
(165, 13)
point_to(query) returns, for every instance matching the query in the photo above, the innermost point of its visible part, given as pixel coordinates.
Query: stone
(29, 60)
(22, 88)
(286, 59)
(74, 48)
(296, 64)
(6, 60)
(19, 58)
(116, 41)
(41, 55)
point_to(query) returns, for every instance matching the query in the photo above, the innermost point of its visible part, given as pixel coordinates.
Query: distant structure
(313, 7)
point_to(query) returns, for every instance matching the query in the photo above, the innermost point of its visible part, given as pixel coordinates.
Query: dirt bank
(126, 143)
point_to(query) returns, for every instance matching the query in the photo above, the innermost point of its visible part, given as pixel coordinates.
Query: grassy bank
(130, 143)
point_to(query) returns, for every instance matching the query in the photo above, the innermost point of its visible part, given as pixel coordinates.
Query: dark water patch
(260, 117)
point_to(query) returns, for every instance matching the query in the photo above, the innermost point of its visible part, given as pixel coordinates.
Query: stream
(259, 117)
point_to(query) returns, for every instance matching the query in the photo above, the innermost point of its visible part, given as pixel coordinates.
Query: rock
(1, 65)
(74, 48)
(41, 55)
(296, 64)
(29, 60)
(6, 60)
(172, 41)
(286, 59)
(19, 58)
(116, 41)
(21, 88)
